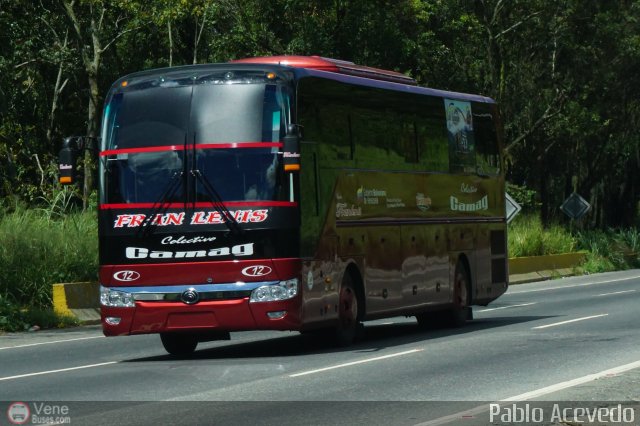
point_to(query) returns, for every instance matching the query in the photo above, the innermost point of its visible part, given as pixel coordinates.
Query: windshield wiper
(161, 205)
(218, 203)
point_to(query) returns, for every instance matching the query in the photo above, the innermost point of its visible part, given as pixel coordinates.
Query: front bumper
(219, 307)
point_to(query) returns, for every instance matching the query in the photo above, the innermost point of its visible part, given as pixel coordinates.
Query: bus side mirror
(291, 150)
(68, 160)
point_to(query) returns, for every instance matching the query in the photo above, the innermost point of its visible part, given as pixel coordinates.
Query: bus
(293, 193)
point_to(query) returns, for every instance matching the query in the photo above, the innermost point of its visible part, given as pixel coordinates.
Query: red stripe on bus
(115, 206)
(239, 145)
(197, 146)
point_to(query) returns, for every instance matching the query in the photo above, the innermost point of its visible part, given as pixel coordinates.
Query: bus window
(378, 137)
(409, 140)
(131, 122)
(324, 116)
(274, 110)
(460, 131)
(333, 123)
(487, 157)
(433, 145)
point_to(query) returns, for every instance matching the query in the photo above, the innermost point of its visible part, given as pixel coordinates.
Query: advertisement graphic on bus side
(370, 195)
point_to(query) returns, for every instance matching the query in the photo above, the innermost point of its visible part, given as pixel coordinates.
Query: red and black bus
(293, 193)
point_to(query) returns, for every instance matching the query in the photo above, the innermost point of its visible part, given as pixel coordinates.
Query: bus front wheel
(179, 344)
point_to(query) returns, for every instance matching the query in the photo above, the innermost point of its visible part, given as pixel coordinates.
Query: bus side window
(487, 157)
(409, 140)
(324, 114)
(312, 221)
(402, 126)
(379, 138)
(433, 145)
(334, 125)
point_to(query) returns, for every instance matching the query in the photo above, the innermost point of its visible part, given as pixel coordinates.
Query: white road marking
(527, 396)
(507, 307)
(40, 373)
(51, 342)
(616, 292)
(569, 321)
(573, 285)
(362, 361)
(574, 382)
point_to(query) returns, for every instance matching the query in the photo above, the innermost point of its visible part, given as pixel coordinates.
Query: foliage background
(564, 73)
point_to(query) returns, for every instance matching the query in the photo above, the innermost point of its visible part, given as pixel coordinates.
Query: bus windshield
(229, 132)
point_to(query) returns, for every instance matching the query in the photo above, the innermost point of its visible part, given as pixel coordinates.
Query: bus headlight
(271, 293)
(116, 299)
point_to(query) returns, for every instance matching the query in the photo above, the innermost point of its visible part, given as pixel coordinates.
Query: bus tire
(348, 313)
(461, 311)
(179, 345)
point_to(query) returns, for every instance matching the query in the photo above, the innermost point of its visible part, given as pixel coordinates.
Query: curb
(539, 268)
(81, 300)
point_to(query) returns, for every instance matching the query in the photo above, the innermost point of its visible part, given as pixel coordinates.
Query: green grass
(38, 249)
(608, 250)
(527, 237)
(15, 318)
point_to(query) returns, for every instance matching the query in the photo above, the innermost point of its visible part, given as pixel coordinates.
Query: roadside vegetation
(40, 247)
(527, 237)
(607, 250)
(610, 250)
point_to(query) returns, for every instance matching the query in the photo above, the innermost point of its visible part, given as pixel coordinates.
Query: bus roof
(309, 66)
(331, 65)
(348, 72)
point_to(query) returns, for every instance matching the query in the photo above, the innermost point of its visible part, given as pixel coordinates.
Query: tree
(564, 74)
(96, 24)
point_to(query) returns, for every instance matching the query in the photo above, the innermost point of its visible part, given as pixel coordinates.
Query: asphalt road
(574, 339)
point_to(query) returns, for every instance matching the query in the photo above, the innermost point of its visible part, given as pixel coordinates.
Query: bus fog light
(113, 320)
(276, 314)
(116, 299)
(271, 293)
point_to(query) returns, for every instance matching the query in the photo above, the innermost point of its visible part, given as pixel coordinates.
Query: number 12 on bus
(293, 193)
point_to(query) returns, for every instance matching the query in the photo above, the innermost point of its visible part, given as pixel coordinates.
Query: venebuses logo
(18, 413)
(38, 413)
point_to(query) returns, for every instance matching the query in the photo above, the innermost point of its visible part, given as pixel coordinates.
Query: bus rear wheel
(348, 313)
(178, 344)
